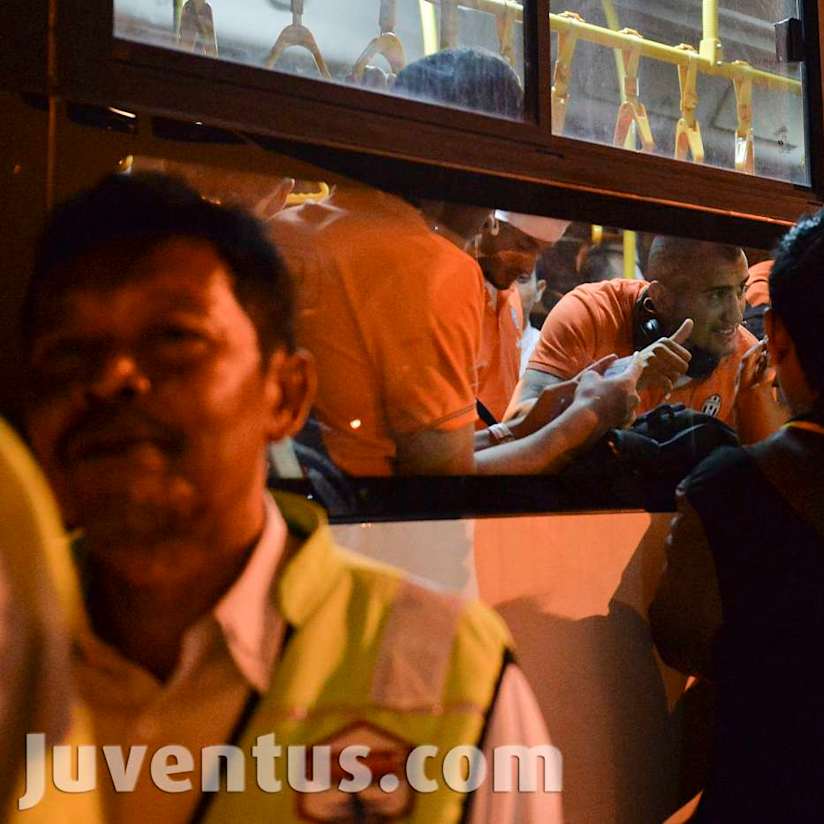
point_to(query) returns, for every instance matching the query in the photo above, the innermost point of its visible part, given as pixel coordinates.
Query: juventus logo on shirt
(712, 406)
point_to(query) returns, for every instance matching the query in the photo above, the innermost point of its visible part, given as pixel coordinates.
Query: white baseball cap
(547, 229)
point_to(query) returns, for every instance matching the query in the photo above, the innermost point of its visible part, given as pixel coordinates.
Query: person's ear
(662, 299)
(779, 343)
(291, 385)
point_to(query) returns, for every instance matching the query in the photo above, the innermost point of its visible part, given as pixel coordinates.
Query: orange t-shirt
(392, 314)
(596, 319)
(500, 357)
(758, 284)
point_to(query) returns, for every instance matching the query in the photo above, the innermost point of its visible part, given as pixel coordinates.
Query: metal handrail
(648, 48)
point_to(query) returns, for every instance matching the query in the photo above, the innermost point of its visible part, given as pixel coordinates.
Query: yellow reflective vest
(39, 589)
(370, 659)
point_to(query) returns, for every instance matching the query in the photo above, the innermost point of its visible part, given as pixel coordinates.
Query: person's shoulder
(619, 292)
(800, 448)
(718, 471)
(345, 208)
(614, 286)
(758, 284)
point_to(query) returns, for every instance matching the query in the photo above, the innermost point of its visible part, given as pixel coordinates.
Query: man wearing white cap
(507, 249)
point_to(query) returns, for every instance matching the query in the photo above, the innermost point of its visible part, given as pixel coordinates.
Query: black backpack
(641, 466)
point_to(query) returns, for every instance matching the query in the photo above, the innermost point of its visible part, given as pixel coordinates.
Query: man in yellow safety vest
(235, 663)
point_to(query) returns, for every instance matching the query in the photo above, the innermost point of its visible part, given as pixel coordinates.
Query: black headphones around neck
(647, 327)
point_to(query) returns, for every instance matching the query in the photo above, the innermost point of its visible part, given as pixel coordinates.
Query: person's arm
(528, 389)
(546, 451)
(598, 405)
(516, 721)
(685, 614)
(433, 452)
(550, 403)
(565, 348)
(546, 397)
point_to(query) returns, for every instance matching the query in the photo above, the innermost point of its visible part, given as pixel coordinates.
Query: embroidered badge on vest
(387, 798)
(712, 405)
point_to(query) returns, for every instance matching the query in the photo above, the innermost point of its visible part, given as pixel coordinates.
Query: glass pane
(741, 107)
(366, 43)
(431, 322)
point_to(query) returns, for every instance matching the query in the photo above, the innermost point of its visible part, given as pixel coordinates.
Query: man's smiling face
(713, 296)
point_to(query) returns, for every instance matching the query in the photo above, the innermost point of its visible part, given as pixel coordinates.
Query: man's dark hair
(143, 210)
(597, 265)
(797, 293)
(672, 259)
(469, 78)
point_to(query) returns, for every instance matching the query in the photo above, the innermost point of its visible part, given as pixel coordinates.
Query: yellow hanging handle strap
(632, 110)
(449, 24)
(299, 198)
(744, 139)
(563, 72)
(196, 28)
(387, 43)
(297, 34)
(688, 139)
(505, 25)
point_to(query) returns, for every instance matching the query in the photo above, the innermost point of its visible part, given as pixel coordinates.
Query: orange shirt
(392, 314)
(499, 361)
(596, 319)
(758, 284)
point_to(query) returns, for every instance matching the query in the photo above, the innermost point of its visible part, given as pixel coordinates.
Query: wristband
(501, 433)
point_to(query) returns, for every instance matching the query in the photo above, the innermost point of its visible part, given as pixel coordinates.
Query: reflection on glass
(361, 42)
(432, 324)
(698, 80)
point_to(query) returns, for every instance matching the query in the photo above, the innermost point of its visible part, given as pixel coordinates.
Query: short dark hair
(797, 293)
(151, 208)
(470, 78)
(671, 259)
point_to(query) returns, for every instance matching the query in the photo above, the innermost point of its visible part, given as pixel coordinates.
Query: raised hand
(614, 398)
(666, 360)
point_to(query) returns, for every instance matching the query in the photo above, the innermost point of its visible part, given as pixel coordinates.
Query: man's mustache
(110, 427)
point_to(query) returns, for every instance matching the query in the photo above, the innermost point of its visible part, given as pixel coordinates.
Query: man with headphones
(685, 324)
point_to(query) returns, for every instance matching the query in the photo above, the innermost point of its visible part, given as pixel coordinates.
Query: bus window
(455, 339)
(365, 43)
(698, 81)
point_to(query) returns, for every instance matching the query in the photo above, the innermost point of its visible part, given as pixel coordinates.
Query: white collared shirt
(529, 340)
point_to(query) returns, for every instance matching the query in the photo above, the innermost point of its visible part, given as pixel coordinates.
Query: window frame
(546, 174)
(326, 118)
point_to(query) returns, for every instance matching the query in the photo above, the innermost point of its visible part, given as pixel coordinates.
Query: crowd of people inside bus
(418, 314)
(420, 372)
(161, 343)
